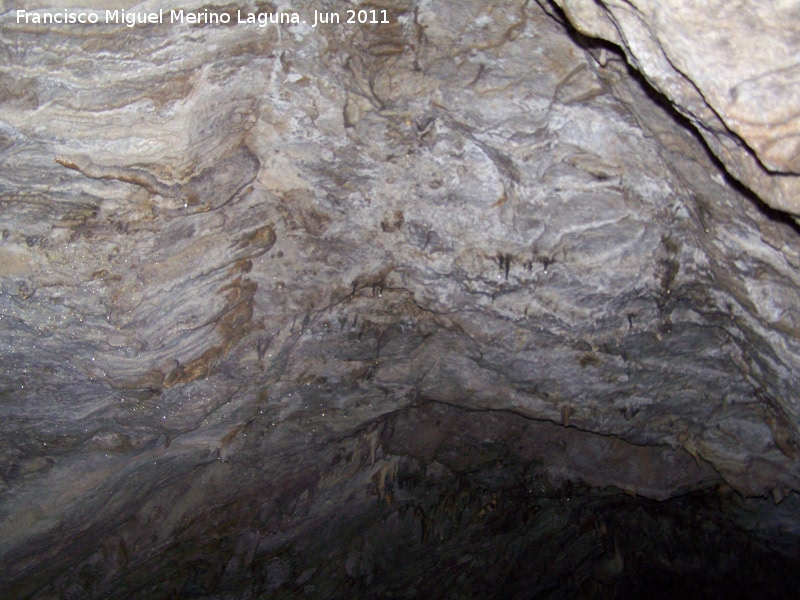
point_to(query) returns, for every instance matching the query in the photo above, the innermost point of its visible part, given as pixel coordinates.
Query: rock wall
(729, 68)
(254, 278)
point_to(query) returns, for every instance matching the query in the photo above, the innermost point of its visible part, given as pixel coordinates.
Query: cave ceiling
(270, 288)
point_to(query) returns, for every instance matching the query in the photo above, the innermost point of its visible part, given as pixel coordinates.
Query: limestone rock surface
(337, 311)
(730, 68)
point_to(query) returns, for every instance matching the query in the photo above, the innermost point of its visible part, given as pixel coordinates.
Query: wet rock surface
(450, 306)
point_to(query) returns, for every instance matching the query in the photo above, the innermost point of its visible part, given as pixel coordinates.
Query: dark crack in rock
(736, 81)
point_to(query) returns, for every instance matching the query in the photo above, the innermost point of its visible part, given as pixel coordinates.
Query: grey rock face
(276, 300)
(729, 68)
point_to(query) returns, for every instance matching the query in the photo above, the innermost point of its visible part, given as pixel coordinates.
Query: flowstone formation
(448, 303)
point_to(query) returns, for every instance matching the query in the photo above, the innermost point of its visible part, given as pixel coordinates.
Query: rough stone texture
(339, 312)
(730, 67)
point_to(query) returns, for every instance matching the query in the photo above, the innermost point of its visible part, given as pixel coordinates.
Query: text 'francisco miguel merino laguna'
(203, 17)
